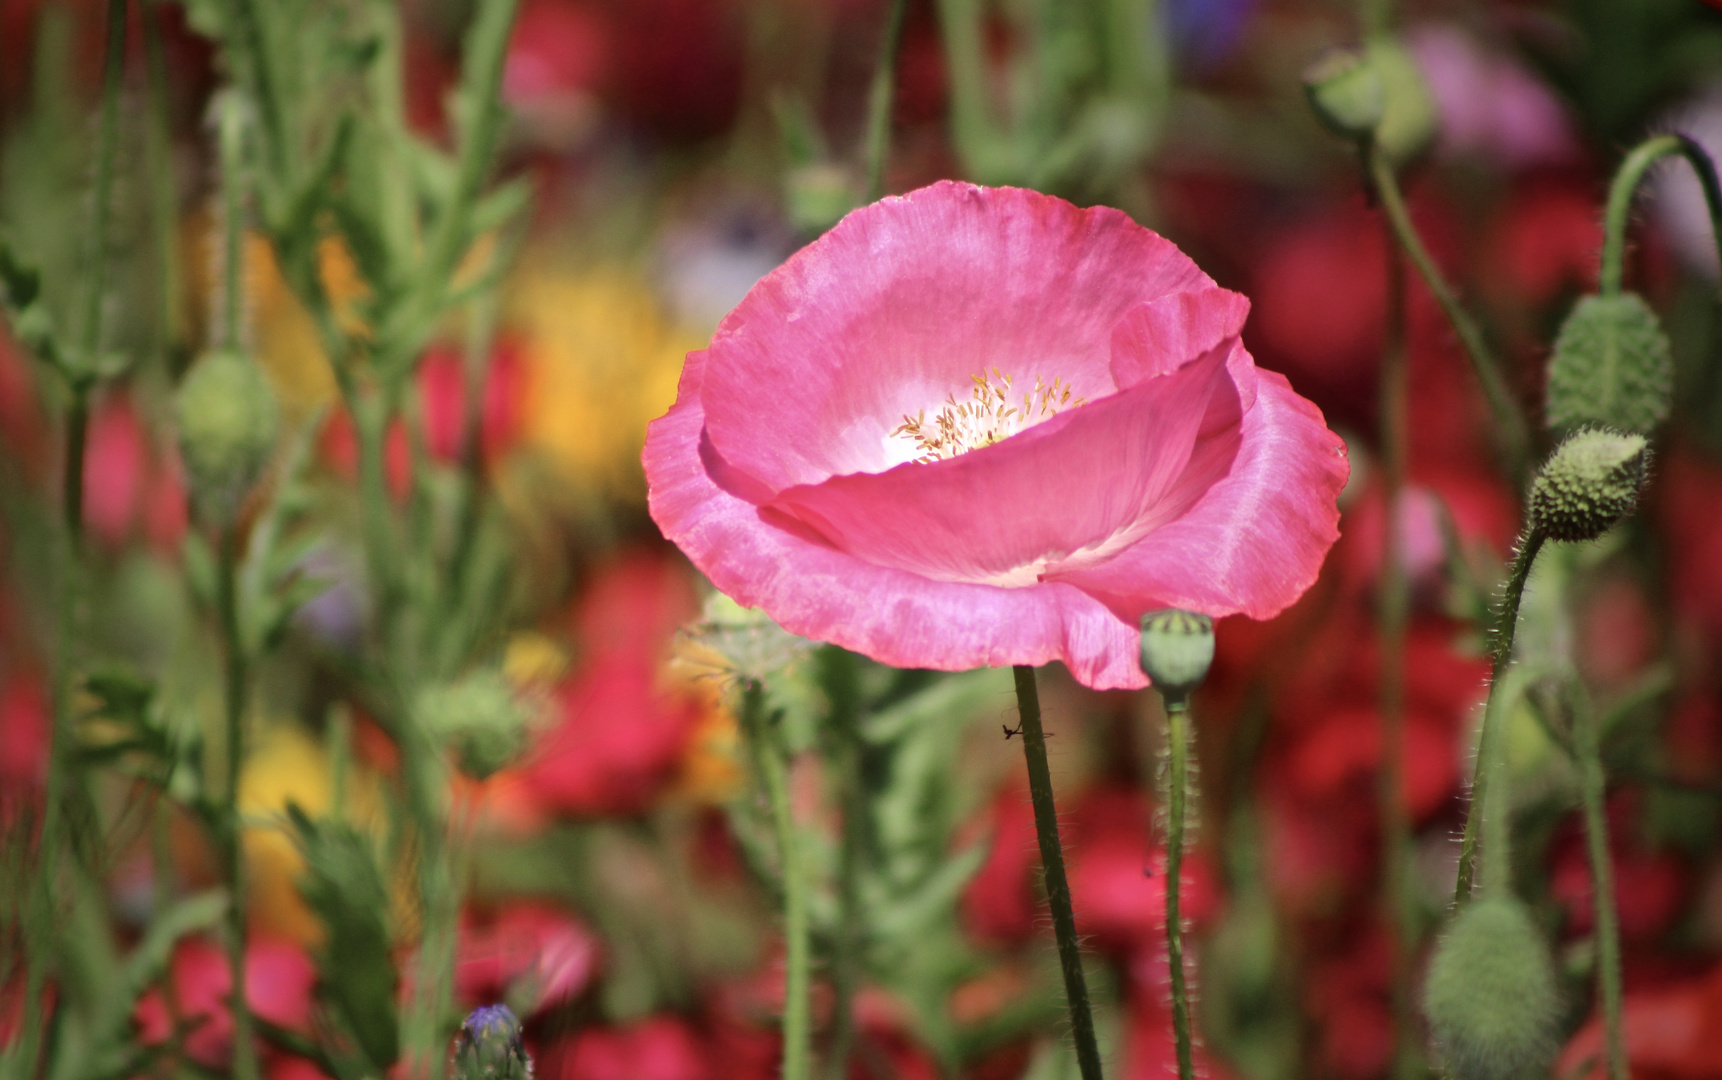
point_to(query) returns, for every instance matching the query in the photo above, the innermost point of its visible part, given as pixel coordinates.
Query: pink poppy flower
(980, 426)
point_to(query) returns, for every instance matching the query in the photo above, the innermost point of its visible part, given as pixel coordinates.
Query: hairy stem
(233, 852)
(879, 101)
(1510, 421)
(1592, 788)
(107, 148)
(1506, 624)
(1626, 181)
(1057, 885)
(1177, 797)
(231, 133)
(770, 760)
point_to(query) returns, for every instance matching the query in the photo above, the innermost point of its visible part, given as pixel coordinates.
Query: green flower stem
(1496, 828)
(1392, 615)
(107, 147)
(1057, 885)
(1508, 418)
(1626, 181)
(1592, 788)
(838, 677)
(232, 850)
(163, 191)
(770, 760)
(1177, 796)
(1506, 624)
(879, 101)
(231, 133)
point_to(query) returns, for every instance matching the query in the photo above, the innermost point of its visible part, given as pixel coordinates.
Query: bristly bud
(489, 1047)
(1177, 648)
(1377, 94)
(1590, 482)
(1345, 93)
(1612, 366)
(1493, 1006)
(479, 717)
(228, 424)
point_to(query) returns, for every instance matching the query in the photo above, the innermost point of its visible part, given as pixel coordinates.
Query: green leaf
(356, 974)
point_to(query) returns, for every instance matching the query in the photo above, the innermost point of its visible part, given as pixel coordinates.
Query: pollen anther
(988, 416)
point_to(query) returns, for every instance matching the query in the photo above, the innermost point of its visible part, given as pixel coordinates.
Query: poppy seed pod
(1377, 94)
(1491, 998)
(1177, 649)
(1590, 482)
(489, 1047)
(228, 423)
(1613, 366)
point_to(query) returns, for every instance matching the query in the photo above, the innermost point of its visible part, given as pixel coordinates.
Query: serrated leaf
(502, 205)
(906, 916)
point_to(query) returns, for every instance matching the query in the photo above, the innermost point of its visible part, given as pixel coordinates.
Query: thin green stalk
(231, 135)
(107, 148)
(769, 759)
(1057, 885)
(1506, 624)
(1509, 419)
(233, 852)
(1626, 181)
(1592, 789)
(1392, 614)
(1177, 796)
(164, 193)
(879, 101)
(1496, 828)
(837, 676)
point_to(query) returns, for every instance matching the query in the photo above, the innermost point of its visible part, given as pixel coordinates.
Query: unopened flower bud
(1493, 1006)
(228, 424)
(1590, 482)
(489, 1047)
(1379, 94)
(1612, 367)
(1345, 93)
(1177, 648)
(479, 717)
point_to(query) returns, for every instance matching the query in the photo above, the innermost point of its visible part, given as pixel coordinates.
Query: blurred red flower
(279, 978)
(541, 952)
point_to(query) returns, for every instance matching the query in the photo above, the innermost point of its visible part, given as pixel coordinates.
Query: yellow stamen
(985, 418)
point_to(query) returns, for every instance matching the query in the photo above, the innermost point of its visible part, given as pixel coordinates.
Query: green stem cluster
(1177, 799)
(232, 846)
(1057, 884)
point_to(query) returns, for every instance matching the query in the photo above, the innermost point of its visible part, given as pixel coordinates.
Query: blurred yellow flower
(287, 766)
(602, 360)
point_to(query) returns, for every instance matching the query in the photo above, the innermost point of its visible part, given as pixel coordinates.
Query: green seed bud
(489, 1047)
(1491, 998)
(1612, 367)
(1345, 93)
(479, 717)
(1408, 118)
(1590, 482)
(1177, 647)
(228, 423)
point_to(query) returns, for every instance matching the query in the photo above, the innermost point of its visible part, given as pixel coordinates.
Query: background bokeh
(679, 150)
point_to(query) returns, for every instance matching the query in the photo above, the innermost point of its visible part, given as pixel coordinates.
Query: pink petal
(894, 616)
(904, 301)
(1254, 540)
(1085, 481)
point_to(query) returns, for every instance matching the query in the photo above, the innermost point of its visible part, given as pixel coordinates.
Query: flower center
(992, 412)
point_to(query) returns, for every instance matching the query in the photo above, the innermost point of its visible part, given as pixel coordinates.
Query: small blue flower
(489, 1047)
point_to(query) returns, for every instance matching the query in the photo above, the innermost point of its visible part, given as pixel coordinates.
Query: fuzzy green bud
(228, 424)
(1493, 1005)
(1177, 648)
(1345, 93)
(1613, 366)
(479, 717)
(489, 1047)
(1590, 482)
